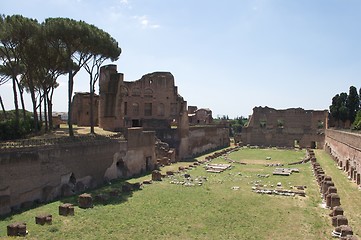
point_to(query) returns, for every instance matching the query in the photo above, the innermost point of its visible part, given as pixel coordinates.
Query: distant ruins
(153, 103)
(286, 128)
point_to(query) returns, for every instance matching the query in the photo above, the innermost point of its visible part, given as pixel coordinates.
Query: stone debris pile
(187, 180)
(274, 165)
(279, 191)
(217, 168)
(285, 171)
(224, 154)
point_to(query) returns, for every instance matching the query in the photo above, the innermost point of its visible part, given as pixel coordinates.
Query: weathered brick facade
(81, 109)
(151, 102)
(345, 148)
(285, 128)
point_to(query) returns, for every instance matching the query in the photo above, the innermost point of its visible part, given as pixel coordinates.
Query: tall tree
(342, 107)
(334, 107)
(3, 108)
(73, 38)
(353, 103)
(103, 47)
(27, 31)
(10, 59)
(45, 66)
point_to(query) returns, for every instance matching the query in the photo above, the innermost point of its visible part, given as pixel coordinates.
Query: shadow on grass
(116, 192)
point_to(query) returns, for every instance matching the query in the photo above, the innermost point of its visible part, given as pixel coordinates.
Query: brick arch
(148, 93)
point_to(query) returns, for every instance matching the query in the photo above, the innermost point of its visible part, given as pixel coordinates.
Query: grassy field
(212, 211)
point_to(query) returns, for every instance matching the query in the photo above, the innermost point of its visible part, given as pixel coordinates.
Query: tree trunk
(3, 108)
(40, 111)
(45, 113)
(33, 99)
(50, 108)
(70, 93)
(91, 106)
(22, 101)
(16, 105)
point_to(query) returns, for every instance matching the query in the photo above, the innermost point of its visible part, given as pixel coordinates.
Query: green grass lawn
(212, 211)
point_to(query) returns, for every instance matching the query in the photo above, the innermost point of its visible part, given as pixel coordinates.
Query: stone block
(66, 209)
(325, 185)
(42, 219)
(156, 175)
(85, 200)
(16, 229)
(345, 230)
(335, 200)
(331, 189)
(341, 220)
(336, 211)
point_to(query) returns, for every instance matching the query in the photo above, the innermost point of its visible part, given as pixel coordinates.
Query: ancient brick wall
(40, 174)
(110, 98)
(37, 174)
(286, 128)
(345, 148)
(81, 109)
(204, 139)
(151, 102)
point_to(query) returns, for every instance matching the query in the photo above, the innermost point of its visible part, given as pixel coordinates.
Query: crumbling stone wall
(204, 139)
(81, 109)
(285, 128)
(200, 116)
(151, 102)
(40, 174)
(345, 148)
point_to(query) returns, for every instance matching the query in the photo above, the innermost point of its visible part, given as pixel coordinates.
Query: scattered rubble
(285, 171)
(217, 168)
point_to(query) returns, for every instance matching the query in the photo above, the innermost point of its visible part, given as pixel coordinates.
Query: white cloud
(145, 23)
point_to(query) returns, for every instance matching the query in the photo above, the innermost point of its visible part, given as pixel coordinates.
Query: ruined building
(151, 102)
(81, 109)
(287, 128)
(199, 116)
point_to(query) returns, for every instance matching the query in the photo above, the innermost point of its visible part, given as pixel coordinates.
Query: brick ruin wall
(196, 141)
(345, 149)
(271, 127)
(205, 139)
(43, 174)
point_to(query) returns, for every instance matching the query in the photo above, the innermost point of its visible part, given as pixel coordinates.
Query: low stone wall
(207, 138)
(43, 173)
(345, 148)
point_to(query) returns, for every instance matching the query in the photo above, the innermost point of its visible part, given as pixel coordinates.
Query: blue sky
(229, 56)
